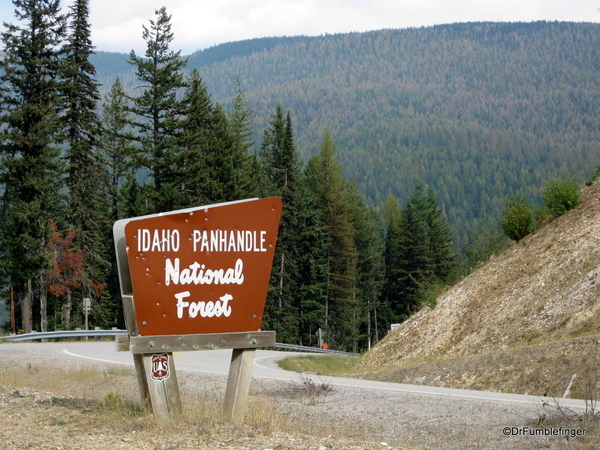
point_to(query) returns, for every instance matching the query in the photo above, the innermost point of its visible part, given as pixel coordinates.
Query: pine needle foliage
(32, 173)
(155, 112)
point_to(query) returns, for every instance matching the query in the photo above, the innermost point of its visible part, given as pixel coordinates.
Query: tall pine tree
(116, 147)
(369, 245)
(414, 269)
(443, 256)
(331, 193)
(207, 169)
(156, 112)
(224, 167)
(31, 170)
(295, 302)
(241, 121)
(282, 169)
(194, 164)
(419, 253)
(392, 214)
(117, 153)
(87, 178)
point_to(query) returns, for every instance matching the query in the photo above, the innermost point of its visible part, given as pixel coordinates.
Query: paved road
(217, 362)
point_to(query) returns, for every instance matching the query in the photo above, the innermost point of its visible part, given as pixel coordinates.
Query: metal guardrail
(62, 334)
(301, 348)
(101, 333)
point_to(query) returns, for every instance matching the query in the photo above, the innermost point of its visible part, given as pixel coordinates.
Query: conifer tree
(207, 169)
(31, 170)
(194, 161)
(156, 111)
(415, 266)
(391, 213)
(295, 301)
(311, 288)
(116, 147)
(223, 165)
(241, 121)
(117, 153)
(277, 169)
(331, 194)
(370, 264)
(87, 178)
(282, 171)
(418, 251)
(443, 256)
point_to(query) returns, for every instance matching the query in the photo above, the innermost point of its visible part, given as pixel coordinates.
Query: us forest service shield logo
(160, 367)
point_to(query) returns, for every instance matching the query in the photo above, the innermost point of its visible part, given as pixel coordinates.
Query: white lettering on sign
(158, 240)
(197, 273)
(205, 309)
(166, 240)
(229, 241)
(207, 241)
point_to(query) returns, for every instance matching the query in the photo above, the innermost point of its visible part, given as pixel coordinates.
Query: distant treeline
(478, 110)
(68, 173)
(375, 142)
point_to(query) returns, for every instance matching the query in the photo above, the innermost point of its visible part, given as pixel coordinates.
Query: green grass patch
(331, 365)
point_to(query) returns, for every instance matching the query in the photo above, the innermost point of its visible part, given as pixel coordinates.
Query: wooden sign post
(196, 279)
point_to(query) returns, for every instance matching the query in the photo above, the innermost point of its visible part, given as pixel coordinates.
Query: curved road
(217, 362)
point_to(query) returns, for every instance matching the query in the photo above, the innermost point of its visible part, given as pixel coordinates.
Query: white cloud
(117, 24)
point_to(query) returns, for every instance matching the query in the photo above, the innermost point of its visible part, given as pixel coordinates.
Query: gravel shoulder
(337, 418)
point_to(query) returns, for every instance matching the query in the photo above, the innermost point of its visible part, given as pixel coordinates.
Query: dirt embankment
(525, 321)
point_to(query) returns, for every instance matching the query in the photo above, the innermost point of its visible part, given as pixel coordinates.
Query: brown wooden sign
(201, 270)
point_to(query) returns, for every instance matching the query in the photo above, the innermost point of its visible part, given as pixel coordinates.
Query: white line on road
(95, 359)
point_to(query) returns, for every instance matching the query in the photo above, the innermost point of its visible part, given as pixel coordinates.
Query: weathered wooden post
(196, 279)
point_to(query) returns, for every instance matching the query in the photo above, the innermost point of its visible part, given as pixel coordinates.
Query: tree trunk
(66, 311)
(376, 327)
(369, 328)
(26, 312)
(282, 268)
(43, 311)
(43, 305)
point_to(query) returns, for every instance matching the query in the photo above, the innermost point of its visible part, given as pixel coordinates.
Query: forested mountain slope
(525, 321)
(479, 110)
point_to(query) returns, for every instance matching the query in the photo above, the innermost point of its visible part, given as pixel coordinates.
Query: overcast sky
(198, 24)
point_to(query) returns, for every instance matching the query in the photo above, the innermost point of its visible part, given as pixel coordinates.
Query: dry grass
(542, 369)
(91, 406)
(112, 394)
(321, 364)
(85, 381)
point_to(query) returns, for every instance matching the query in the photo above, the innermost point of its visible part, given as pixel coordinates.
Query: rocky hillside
(526, 321)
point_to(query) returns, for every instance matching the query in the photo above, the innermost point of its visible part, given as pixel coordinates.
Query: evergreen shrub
(517, 217)
(561, 196)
